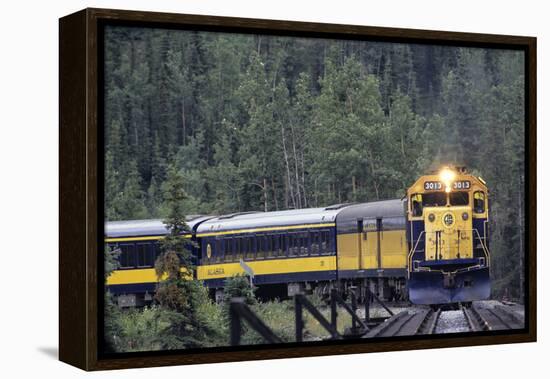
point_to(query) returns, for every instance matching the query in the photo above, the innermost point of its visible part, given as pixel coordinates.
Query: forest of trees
(268, 122)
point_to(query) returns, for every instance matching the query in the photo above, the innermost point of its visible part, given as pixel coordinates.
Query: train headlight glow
(431, 217)
(465, 216)
(447, 176)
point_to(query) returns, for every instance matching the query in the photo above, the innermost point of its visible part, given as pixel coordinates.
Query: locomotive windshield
(434, 199)
(437, 199)
(458, 198)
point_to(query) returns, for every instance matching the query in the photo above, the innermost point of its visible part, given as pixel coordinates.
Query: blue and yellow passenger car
(137, 243)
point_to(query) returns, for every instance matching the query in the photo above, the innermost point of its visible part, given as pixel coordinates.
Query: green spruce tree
(178, 294)
(111, 316)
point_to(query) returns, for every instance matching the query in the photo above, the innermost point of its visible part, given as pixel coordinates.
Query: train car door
(392, 243)
(371, 243)
(379, 237)
(361, 239)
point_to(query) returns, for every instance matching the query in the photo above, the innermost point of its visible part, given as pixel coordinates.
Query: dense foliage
(264, 123)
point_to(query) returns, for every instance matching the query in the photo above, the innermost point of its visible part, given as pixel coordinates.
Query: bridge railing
(240, 312)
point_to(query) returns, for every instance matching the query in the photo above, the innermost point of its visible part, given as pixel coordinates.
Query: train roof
(256, 220)
(384, 208)
(340, 213)
(154, 227)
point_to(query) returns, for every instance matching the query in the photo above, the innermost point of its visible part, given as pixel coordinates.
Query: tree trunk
(265, 195)
(303, 177)
(183, 126)
(286, 191)
(274, 189)
(288, 179)
(296, 171)
(373, 180)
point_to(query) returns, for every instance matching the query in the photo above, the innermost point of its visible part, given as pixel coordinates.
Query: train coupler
(449, 280)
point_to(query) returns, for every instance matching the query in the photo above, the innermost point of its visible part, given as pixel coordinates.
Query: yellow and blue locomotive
(447, 230)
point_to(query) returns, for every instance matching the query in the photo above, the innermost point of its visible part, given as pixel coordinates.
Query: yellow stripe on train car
(267, 267)
(224, 270)
(135, 276)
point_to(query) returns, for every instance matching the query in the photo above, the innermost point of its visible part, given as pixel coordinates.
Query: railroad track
(499, 317)
(467, 318)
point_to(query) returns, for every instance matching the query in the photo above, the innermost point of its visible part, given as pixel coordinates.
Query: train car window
(127, 256)
(265, 243)
(228, 256)
(314, 238)
(244, 248)
(249, 242)
(156, 251)
(304, 244)
(122, 256)
(416, 205)
(216, 254)
(270, 239)
(260, 247)
(255, 245)
(273, 245)
(325, 242)
(276, 245)
(479, 202)
(459, 198)
(291, 245)
(434, 199)
(144, 255)
(238, 249)
(297, 243)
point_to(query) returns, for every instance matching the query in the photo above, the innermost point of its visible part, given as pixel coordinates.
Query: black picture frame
(81, 187)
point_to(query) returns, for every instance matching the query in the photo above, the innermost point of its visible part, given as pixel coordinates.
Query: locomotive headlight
(465, 216)
(431, 217)
(447, 176)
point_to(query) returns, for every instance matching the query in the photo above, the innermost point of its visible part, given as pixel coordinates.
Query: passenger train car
(430, 246)
(134, 281)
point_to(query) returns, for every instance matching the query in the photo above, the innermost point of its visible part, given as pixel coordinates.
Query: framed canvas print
(237, 189)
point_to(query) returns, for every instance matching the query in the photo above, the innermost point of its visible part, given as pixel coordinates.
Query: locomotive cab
(447, 234)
